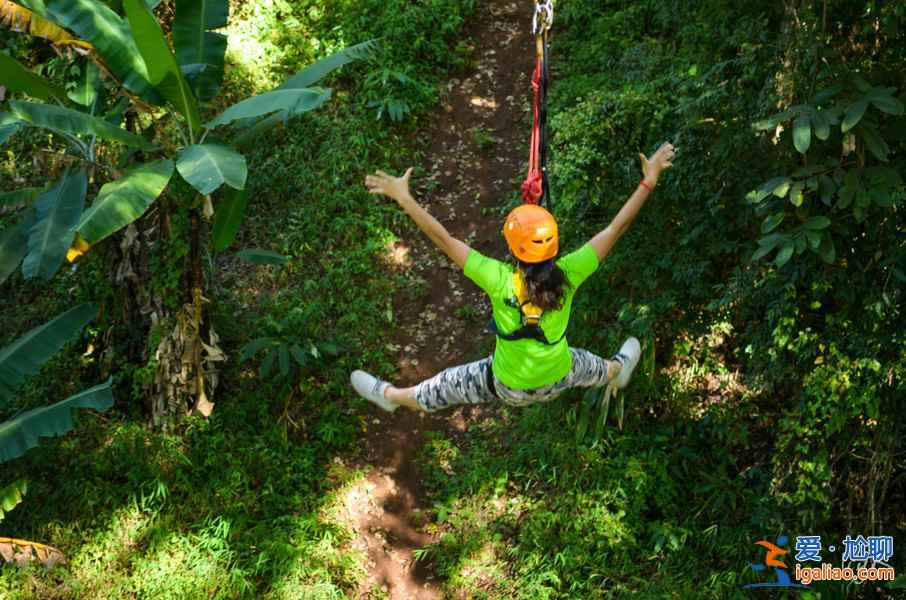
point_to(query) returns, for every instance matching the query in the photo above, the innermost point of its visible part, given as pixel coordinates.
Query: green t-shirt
(525, 364)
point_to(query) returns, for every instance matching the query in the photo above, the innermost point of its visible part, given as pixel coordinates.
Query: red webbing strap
(532, 187)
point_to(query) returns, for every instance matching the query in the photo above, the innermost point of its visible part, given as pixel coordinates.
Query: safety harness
(530, 317)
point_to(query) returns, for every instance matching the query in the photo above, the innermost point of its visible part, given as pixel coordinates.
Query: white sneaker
(372, 389)
(628, 357)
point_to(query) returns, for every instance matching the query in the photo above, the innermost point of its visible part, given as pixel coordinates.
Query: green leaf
(802, 133)
(888, 104)
(303, 79)
(73, 122)
(772, 121)
(262, 257)
(14, 245)
(208, 166)
(796, 195)
(853, 115)
(11, 496)
(121, 202)
(814, 239)
(821, 124)
(874, 142)
(20, 434)
(17, 78)
(767, 244)
(26, 354)
(228, 218)
(252, 348)
(317, 71)
(15, 198)
(771, 222)
(9, 126)
(293, 102)
(163, 71)
(87, 90)
(827, 250)
(817, 223)
(95, 22)
(284, 361)
(784, 255)
(199, 48)
(778, 186)
(56, 214)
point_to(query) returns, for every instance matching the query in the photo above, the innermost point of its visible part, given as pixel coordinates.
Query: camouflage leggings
(471, 384)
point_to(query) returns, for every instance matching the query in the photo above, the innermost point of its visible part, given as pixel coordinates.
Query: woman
(532, 361)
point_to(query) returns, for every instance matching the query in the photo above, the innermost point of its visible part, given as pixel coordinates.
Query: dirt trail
(475, 154)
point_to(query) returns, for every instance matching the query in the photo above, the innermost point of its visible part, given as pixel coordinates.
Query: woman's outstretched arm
(398, 189)
(652, 167)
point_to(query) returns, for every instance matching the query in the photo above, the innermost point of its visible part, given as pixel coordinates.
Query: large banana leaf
(56, 214)
(208, 166)
(304, 78)
(25, 356)
(199, 48)
(14, 245)
(229, 216)
(18, 18)
(17, 78)
(121, 202)
(23, 432)
(292, 102)
(163, 71)
(73, 122)
(108, 32)
(9, 126)
(316, 71)
(11, 496)
(89, 86)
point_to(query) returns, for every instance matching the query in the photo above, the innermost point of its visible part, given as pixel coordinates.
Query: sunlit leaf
(163, 71)
(86, 91)
(796, 194)
(121, 202)
(293, 102)
(11, 496)
(197, 46)
(208, 166)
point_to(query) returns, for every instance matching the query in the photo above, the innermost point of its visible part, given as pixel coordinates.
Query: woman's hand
(660, 160)
(393, 187)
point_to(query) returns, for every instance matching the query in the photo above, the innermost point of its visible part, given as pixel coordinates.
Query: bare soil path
(475, 151)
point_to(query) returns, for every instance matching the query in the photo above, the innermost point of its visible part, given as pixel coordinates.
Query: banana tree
(135, 120)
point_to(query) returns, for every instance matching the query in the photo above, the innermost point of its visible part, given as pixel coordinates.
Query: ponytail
(545, 283)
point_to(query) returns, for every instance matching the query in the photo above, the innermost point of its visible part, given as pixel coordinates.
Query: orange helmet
(531, 233)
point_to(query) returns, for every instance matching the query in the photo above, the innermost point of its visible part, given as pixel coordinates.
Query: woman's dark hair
(545, 283)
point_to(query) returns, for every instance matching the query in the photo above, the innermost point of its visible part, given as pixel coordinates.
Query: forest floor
(474, 154)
